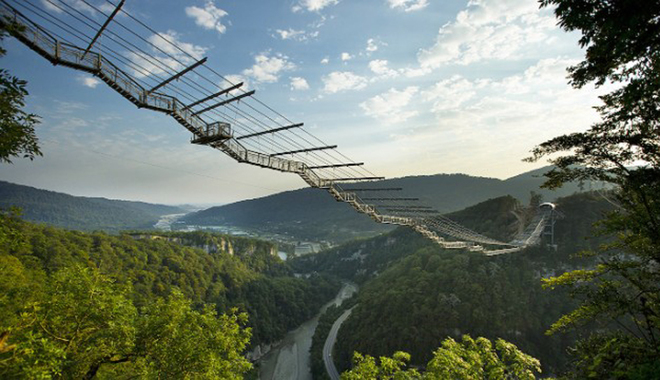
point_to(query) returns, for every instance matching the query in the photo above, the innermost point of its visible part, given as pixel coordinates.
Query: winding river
(290, 359)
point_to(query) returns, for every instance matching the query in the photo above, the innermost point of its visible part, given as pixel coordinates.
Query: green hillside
(312, 214)
(414, 294)
(236, 272)
(81, 213)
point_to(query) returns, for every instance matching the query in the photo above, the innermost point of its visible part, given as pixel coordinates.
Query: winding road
(290, 360)
(330, 343)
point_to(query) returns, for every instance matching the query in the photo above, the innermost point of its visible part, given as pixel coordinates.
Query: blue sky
(410, 87)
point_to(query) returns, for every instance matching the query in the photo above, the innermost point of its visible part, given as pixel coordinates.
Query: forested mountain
(312, 214)
(238, 272)
(306, 214)
(361, 259)
(81, 213)
(414, 294)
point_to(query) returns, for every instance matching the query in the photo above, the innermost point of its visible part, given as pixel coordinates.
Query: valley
(407, 285)
(553, 272)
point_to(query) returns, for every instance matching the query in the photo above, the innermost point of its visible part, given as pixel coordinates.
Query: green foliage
(415, 295)
(476, 358)
(623, 292)
(93, 304)
(360, 260)
(432, 294)
(79, 310)
(83, 322)
(17, 136)
(493, 218)
(469, 359)
(280, 304)
(176, 341)
(365, 367)
(614, 356)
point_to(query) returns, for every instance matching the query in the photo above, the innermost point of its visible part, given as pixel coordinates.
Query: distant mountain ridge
(312, 214)
(81, 213)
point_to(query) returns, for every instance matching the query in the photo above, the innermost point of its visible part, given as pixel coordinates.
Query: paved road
(330, 343)
(290, 359)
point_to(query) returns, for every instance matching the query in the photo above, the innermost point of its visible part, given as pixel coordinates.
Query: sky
(410, 87)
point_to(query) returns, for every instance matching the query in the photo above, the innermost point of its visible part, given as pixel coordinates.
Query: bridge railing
(314, 180)
(535, 237)
(196, 124)
(156, 101)
(69, 55)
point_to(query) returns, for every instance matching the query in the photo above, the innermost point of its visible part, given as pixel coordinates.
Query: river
(290, 359)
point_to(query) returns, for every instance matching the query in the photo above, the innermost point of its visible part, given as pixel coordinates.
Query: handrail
(61, 53)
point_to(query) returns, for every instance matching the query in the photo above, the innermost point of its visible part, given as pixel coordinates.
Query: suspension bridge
(228, 118)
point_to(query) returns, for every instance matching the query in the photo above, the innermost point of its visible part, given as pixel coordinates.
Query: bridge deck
(60, 53)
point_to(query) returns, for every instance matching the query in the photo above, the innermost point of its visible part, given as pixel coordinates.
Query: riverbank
(290, 359)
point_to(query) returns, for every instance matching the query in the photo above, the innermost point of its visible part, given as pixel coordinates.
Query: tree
(17, 135)
(477, 359)
(622, 41)
(85, 326)
(82, 321)
(365, 367)
(175, 341)
(469, 359)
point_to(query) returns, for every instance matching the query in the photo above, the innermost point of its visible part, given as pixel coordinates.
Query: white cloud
(450, 93)
(496, 122)
(267, 69)
(408, 5)
(295, 35)
(51, 7)
(380, 68)
(298, 83)
(338, 81)
(209, 17)
(540, 86)
(346, 57)
(372, 46)
(490, 29)
(489, 130)
(290, 34)
(165, 43)
(325, 61)
(415, 72)
(88, 81)
(389, 107)
(236, 79)
(170, 43)
(80, 5)
(313, 5)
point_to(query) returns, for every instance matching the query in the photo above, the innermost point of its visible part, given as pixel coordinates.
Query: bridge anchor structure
(251, 136)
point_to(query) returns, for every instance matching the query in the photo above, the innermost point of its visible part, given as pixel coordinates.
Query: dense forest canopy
(47, 272)
(414, 294)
